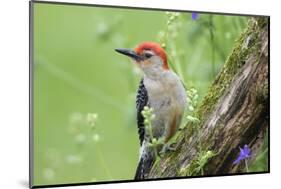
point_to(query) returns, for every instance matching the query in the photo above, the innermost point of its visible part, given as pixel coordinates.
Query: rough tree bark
(233, 113)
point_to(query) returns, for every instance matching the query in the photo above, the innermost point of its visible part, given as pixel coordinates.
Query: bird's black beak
(130, 53)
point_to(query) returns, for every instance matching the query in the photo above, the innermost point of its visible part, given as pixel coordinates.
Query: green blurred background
(84, 92)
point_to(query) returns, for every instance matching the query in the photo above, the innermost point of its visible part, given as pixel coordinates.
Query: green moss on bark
(247, 44)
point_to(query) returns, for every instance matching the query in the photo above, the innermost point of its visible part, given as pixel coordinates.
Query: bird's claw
(167, 148)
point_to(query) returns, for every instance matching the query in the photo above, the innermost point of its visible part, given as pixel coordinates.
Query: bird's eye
(147, 55)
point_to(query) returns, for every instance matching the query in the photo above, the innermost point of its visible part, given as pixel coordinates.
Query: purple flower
(194, 16)
(244, 154)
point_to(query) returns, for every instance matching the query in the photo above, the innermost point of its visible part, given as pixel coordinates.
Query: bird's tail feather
(145, 164)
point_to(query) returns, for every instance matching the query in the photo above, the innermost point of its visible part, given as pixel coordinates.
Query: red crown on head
(156, 48)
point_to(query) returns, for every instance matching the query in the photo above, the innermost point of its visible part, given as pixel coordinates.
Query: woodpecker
(161, 89)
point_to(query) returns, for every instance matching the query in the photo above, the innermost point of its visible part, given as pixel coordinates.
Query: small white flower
(73, 159)
(80, 138)
(76, 118)
(48, 174)
(92, 119)
(190, 108)
(102, 28)
(154, 141)
(96, 137)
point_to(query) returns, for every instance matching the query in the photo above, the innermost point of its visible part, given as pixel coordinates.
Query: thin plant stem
(265, 151)
(101, 157)
(246, 163)
(79, 85)
(151, 137)
(175, 64)
(212, 43)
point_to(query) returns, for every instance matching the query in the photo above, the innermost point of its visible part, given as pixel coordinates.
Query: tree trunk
(234, 113)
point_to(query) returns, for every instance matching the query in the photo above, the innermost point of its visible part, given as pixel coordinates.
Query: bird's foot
(169, 147)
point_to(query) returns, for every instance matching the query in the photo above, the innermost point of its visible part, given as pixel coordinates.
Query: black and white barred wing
(141, 102)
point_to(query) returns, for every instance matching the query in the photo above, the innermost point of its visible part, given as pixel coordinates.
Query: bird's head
(150, 57)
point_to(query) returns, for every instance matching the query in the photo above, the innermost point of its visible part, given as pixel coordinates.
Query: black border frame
(31, 93)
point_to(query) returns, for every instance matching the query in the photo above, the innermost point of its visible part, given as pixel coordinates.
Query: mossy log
(233, 113)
